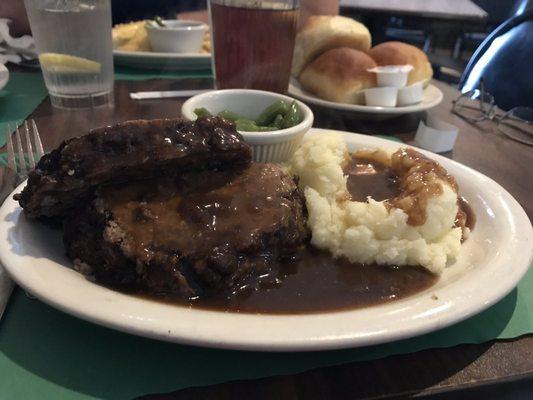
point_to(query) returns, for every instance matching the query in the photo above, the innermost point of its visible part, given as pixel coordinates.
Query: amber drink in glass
(253, 42)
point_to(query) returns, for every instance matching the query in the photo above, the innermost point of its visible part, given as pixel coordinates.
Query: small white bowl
(381, 96)
(272, 146)
(4, 76)
(412, 94)
(178, 36)
(392, 75)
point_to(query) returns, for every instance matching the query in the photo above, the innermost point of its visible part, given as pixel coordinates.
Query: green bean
(247, 125)
(292, 117)
(268, 115)
(202, 112)
(278, 122)
(278, 115)
(230, 115)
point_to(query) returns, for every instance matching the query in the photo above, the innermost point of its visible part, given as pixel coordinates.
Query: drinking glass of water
(73, 39)
(253, 42)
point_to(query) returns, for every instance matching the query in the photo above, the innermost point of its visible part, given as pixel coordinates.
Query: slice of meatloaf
(129, 150)
(194, 234)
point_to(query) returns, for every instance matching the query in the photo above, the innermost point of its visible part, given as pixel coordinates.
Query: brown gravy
(173, 213)
(466, 212)
(316, 282)
(370, 178)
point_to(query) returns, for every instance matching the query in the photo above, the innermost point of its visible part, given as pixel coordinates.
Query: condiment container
(270, 146)
(381, 96)
(177, 36)
(392, 75)
(410, 94)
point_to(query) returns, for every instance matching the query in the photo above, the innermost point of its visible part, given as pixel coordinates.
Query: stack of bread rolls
(333, 53)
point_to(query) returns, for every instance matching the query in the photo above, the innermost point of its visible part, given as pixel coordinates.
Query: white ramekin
(381, 96)
(392, 75)
(412, 94)
(272, 146)
(177, 36)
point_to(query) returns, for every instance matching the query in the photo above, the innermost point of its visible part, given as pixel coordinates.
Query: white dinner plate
(492, 261)
(432, 97)
(162, 61)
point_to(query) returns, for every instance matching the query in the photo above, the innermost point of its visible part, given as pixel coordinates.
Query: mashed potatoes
(372, 231)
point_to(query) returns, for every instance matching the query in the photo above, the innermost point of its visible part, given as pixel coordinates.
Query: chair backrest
(504, 60)
(521, 6)
(497, 10)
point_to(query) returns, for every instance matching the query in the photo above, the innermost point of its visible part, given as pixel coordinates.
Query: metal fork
(24, 167)
(10, 181)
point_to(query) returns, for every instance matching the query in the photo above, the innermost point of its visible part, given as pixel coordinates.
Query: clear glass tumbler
(73, 39)
(253, 42)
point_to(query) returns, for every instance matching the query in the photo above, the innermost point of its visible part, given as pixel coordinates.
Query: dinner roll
(339, 75)
(324, 32)
(398, 53)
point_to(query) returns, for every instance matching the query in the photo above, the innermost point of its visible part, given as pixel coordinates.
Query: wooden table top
(496, 369)
(439, 9)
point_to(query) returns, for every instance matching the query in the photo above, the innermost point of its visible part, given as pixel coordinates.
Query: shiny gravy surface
(314, 281)
(317, 282)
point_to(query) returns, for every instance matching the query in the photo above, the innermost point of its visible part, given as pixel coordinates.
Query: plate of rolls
(335, 66)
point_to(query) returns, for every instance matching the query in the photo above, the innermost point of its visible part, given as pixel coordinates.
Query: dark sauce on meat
(314, 281)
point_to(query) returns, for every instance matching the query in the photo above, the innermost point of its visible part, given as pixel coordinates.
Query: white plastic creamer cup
(392, 75)
(411, 94)
(381, 96)
(436, 135)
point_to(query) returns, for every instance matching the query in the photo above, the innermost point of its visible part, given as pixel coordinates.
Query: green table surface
(22, 94)
(47, 354)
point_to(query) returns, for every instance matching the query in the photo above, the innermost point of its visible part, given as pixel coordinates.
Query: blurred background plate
(4, 76)
(432, 97)
(162, 61)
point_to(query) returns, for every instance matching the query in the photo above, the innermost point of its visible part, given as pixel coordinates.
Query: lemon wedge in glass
(64, 63)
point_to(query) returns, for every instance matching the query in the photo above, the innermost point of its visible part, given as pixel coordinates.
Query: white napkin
(13, 49)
